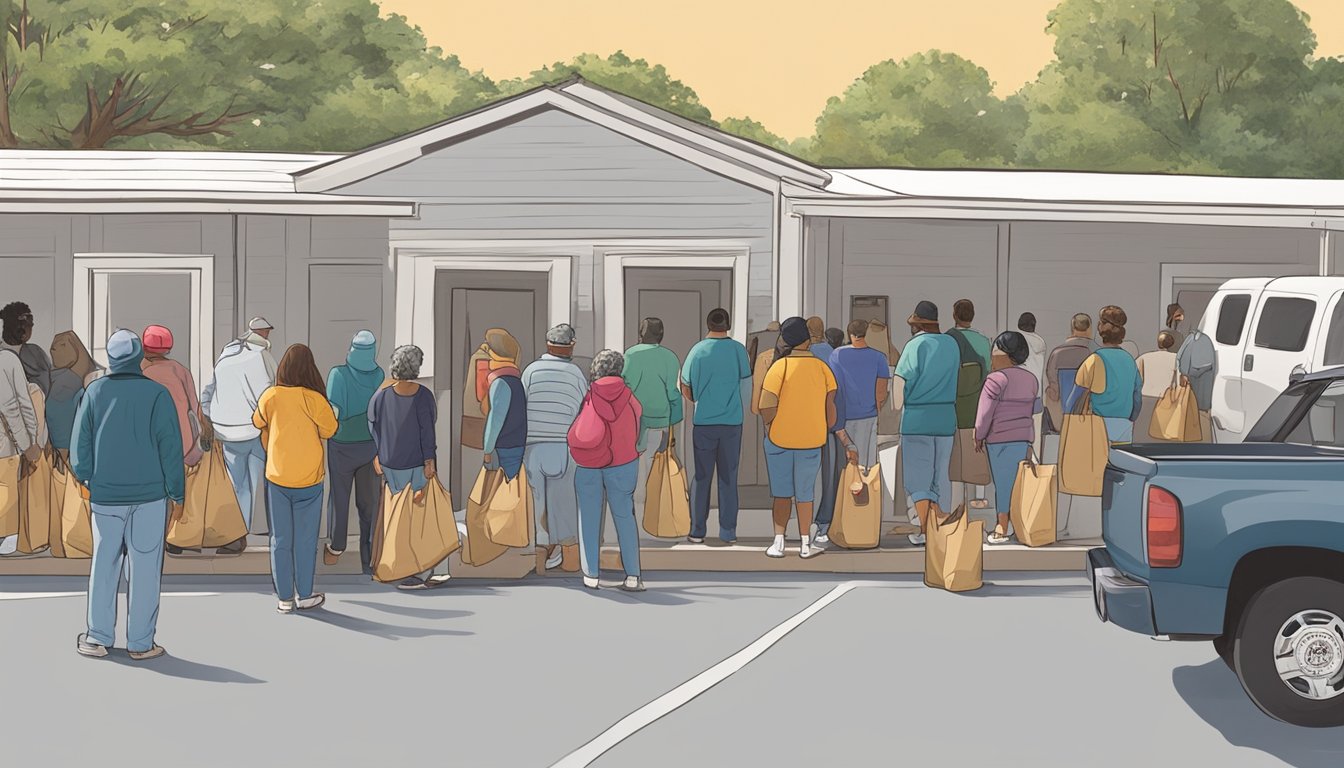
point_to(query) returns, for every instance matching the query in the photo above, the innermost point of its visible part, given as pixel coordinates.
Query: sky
(774, 61)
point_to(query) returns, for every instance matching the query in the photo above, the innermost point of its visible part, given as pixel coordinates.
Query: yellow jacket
(293, 422)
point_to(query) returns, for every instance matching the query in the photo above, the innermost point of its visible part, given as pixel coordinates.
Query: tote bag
(1084, 448)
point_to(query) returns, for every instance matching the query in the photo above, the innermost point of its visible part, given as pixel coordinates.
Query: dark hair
(1027, 322)
(718, 320)
(858, 328)
(1014, 345)
(1111, 322)
(651, 331)
(835, 337)
(963, 311)
(1166, 340)
(298, 369)
(1172, 309)
(18, 319)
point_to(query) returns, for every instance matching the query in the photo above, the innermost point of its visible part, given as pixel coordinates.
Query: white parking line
(684, 693)
(44, 595)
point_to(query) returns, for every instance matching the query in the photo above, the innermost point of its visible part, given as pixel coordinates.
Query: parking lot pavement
(526, 673)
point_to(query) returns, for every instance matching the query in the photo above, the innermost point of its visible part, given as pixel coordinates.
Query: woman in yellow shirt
(294, 418)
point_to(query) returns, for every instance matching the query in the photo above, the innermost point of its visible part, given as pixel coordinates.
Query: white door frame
(91, 285)
(415, 263)
(1172, 274)
(615, 260)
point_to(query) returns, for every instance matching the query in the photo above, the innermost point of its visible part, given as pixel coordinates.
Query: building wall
(553, 176)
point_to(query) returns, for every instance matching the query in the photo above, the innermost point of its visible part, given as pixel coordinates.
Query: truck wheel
(1223, 645)
(1289, 651)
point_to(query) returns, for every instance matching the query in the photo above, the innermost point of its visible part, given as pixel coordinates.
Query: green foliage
(751, 129)
(930, 110)
(635, 78)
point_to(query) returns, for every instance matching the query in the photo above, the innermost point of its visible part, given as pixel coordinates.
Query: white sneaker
(591, 582)
(997, 538)
(9, 545)
(916, 539)
(285, 606)
(811, 550)
(633, 584)
(86, 647)
(555, 559)
(309, 603)
(822, 538)
(776, 550)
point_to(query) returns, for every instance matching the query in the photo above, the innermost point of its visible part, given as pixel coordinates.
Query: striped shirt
(555, 390)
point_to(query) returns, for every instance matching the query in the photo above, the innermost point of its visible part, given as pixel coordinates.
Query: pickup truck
(1242, 545)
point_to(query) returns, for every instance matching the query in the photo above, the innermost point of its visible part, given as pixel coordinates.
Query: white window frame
(91, 271)
(615, 261)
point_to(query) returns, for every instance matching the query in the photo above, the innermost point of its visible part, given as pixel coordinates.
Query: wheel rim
(1309, 655)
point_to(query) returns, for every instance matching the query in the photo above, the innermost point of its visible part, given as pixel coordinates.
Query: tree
(1313, 123)
(1168, 85)
(753, 130)
(635, 78)
(96, 73)
(929, 110)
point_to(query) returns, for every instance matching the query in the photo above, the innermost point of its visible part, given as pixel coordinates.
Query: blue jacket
(126, 446)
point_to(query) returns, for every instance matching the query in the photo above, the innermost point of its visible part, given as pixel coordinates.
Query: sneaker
(285, 606)
(152, 653)
(309, 603)
(997, 537)
(776, 550)
(916, 539)
(172, 550)
(557, 557)
(903, 529)
(331, 556)
(591, 582)
(696, 539)
(811, 551)
(235, 548)
(632, 584)
(413, 583)
(437, 580)
(822, 539)
(86, 647)
(728, 542)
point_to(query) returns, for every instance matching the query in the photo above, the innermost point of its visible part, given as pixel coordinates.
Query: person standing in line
(929, 366)
(864, 377)
(798, 407)
(1198, 364)
(1112, 378)
(816, 330)
(506, 406)
(1061, 367)
(18, 325)
(244, 371)
(73, 370)
(712, 379)
(174, 376)
(1003, 422)
(127, 450)
(555, 388)
(1026, 325)
(652, 372)
(1175, 316)
(1157, 371)
(401, 422)
(963, 313)
(294, 419)
(18, 420)
(606, 441)
(351, 451)
(833, 454)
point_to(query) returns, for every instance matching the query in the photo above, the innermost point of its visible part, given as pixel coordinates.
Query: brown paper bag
(968, 465)
(59, 473)
(508, 521)
(35, 502)
(1176, 416)
(954, 553)
(412, 537)
(211, 516)
(478, 548)
(1084, 449)
(858, 520)
(1035, 499)
(667, 506)
(76, 518)
(10, 468)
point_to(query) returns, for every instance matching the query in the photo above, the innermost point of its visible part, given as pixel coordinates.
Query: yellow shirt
(798, 385)
(293, 422)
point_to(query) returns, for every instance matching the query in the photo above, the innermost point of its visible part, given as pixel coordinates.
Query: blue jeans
(925, 462)
(792, 471)
(296, 517)
(397, 480)
(618, 485)
(129, 536)
(550, 472)
(246, 461)
(716, 447)
(1003, 461)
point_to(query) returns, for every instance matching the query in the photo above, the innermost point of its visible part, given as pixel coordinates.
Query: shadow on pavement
(409, 611)
(1212, 692)
(171, 666)
(377, 629)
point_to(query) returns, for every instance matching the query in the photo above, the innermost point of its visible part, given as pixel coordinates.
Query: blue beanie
(124, 351)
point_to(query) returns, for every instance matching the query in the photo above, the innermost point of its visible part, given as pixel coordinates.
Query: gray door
(343, 300)
(137, 300)
(466, 304)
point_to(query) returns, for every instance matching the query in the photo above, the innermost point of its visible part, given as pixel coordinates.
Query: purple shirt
(1007, 404)
(857, 371)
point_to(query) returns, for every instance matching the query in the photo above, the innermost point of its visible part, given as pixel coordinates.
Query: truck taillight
(1164, 528)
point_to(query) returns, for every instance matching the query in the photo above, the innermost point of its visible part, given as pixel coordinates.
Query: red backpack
(590, 437)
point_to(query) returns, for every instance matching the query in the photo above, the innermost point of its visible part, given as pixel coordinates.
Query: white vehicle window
(1285, 324)
(1334, 339)
(1324, 423)
(1232, 319)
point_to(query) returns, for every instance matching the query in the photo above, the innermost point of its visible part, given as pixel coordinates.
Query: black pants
(832, 466)
(347, 464)
(716, 448)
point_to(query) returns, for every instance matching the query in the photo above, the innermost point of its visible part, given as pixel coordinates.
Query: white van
(1264, 329)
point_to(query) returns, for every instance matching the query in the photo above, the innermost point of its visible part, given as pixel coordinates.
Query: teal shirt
(651, 372)
(929, 365)
(714, 371)
(349, 390)
(1123, 385)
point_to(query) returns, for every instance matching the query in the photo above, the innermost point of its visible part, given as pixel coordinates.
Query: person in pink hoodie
(158, 342)
(606, 441)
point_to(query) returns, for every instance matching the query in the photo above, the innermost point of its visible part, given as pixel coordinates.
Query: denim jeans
(246, 461)
(618, 486)
(550, 472)
(1003, 461)
(716, 447)
(832, 469)
(397, 480)
(296, 517)
(352, 464)
(128, 538)
(925, 463)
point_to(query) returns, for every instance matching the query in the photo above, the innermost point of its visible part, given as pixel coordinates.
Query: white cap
(259, 324)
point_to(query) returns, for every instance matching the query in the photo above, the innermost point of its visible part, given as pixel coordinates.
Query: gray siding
(555, 176)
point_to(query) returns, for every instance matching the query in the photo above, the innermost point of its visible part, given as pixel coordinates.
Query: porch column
(789, 267)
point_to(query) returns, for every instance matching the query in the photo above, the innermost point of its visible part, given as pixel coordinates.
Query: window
(1285, 323)
(1334, 340)
(1280, 411)
(1324, 423)
(1232, 318)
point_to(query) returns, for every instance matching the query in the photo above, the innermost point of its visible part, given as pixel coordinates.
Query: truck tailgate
(1122, 510)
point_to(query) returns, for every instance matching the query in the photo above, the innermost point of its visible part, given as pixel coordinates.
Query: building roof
(65, 181)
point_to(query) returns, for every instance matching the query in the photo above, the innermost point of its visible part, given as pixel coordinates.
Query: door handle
(1249, 363)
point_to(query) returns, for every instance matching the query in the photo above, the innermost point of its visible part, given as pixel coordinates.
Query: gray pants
(864, 434)
(352, 464)
(550, 472)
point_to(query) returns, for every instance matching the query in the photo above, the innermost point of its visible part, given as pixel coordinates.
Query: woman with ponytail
(1112, 377)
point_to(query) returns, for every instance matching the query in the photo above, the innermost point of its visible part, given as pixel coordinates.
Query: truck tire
(1223, 645)
(1288, 651)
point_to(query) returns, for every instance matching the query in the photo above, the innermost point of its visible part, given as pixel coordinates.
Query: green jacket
(651, 371)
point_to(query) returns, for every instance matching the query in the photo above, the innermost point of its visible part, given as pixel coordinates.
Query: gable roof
(715, 151)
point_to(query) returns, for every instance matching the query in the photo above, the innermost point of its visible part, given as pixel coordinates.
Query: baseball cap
(259, 324)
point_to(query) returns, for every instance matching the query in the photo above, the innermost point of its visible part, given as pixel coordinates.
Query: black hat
(925, 311)
(793, 331)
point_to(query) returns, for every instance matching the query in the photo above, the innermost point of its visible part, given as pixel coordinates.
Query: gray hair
(608, 362)
(406, 362)
(561, 335)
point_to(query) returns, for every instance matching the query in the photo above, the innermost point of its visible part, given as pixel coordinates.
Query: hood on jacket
(363, 353)
(124, 352)
(610, 396)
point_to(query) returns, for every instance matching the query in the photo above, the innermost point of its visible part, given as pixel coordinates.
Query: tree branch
(1185, 110)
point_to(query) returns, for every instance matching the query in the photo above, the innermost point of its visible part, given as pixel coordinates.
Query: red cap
(156, 338)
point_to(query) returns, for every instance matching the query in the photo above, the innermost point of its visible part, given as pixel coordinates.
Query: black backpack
(970, 380)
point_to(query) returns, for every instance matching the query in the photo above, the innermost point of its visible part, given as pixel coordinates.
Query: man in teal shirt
(712, 379)
(928, 365)
(651, 372)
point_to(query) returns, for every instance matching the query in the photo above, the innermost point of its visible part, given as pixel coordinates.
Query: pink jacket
(606, 431)
(175, 377)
